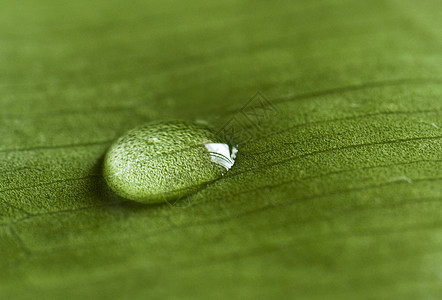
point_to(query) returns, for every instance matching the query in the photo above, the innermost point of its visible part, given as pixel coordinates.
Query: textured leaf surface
(338, 196)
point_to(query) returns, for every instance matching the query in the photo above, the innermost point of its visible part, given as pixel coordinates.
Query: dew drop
(163, 161)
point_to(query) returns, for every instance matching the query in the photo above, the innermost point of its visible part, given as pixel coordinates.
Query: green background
(337, 197)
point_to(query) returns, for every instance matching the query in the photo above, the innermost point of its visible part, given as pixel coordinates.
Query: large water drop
(162, 161)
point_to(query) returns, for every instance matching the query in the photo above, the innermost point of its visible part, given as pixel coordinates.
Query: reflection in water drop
(162, 161)
(221, 155)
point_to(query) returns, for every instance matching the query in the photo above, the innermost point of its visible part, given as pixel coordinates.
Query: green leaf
(337, 196)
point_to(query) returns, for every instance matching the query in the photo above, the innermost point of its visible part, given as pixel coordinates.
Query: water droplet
(162, 161)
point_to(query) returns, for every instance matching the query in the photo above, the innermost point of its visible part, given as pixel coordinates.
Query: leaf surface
(336, 196)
